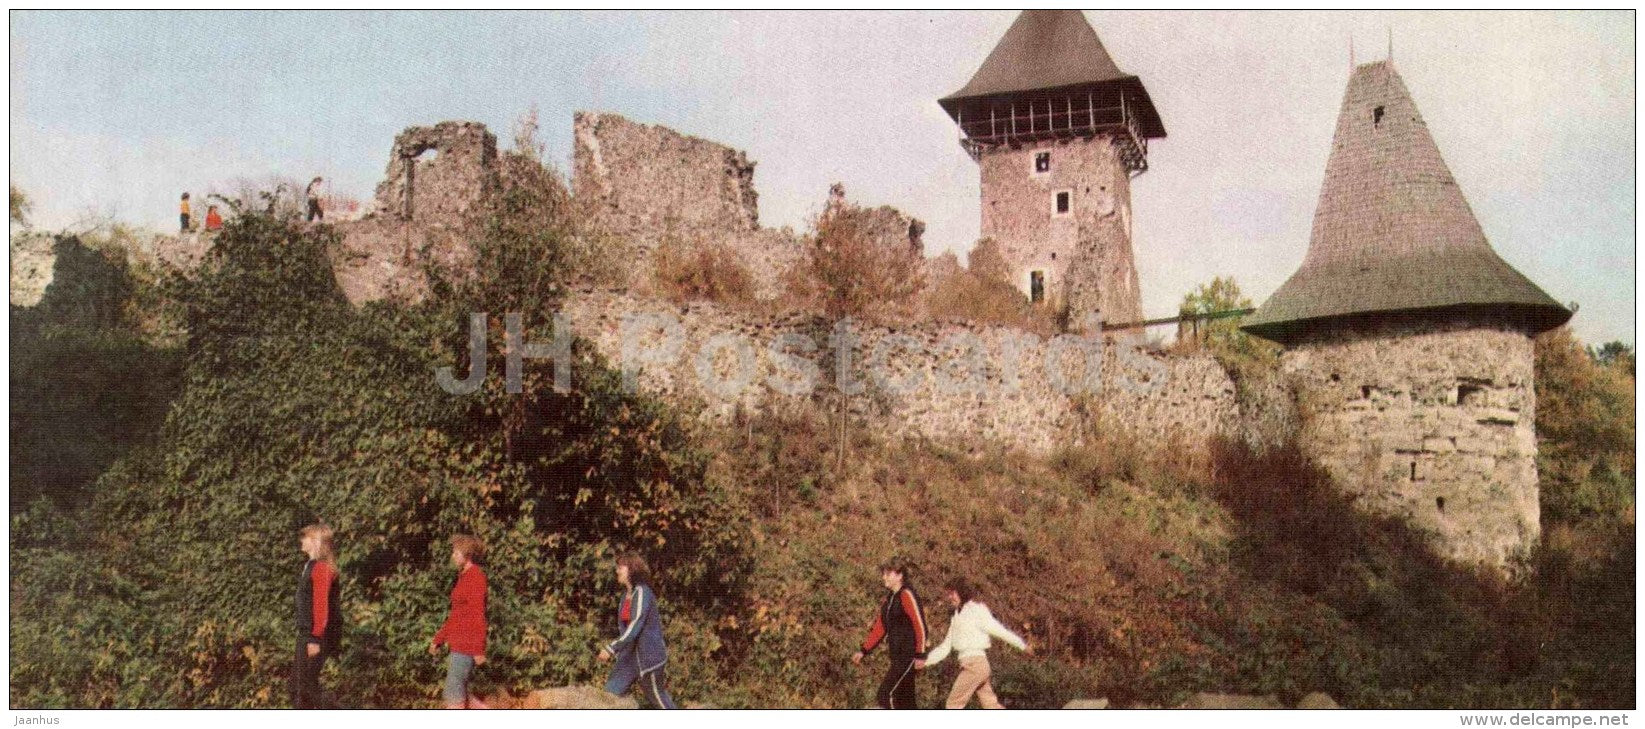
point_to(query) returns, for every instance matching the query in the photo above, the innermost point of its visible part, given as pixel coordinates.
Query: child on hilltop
(319, 617)
(464, 631)
(639, 653)
(900, 623)
(969, 636)
(182, 216)
(214, 221)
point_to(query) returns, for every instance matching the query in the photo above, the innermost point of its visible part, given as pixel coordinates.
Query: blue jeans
(625, 673)
(458, 668)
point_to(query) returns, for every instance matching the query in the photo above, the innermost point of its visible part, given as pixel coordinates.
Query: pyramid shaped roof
(1046, 50)
(1392, 230)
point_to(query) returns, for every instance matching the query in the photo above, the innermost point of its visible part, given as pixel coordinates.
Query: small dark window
(1470, 395)
(1365, 391)
(1439, 501)
(1413, 470)
(1036, 286)
(1042, 162)
(1376, 117)
(1062, 202)
(1053, 255)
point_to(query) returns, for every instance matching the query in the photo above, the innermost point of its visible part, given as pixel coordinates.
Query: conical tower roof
(1392, 231)
(1052, 50)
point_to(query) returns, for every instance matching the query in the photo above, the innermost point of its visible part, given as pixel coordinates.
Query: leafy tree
(20, 206)
(1614, 354)
(856, 265)
(1222, 336)
(1585, 430)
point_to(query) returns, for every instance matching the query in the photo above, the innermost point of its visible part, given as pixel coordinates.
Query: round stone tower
(1409, 340)
(1058, 131)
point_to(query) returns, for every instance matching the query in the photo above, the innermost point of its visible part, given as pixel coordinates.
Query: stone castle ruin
(1407, 368)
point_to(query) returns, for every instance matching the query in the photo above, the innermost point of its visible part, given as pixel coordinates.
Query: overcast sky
(1534, 112)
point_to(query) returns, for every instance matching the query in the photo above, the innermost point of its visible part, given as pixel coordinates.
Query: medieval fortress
(1407, 364)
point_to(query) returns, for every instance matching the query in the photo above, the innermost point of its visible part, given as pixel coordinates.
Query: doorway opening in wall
(1036, 286)
(1063, 202)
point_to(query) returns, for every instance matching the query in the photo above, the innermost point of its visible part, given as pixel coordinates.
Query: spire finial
(1350, 51)
(1390, 44)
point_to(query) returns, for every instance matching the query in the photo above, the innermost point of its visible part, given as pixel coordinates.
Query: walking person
(319, 618)
(182, 216)
(969, 636)
(464, 631)
(900, 624)
(639, 653)
(313, 194)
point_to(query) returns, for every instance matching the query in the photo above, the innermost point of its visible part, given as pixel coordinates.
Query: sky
(116, 113)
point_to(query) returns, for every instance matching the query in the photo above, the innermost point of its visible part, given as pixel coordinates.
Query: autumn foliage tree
(857, 264)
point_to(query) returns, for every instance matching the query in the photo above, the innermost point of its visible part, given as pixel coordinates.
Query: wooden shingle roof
(1392, 231)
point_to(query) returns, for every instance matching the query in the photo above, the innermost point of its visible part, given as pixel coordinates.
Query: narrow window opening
(1042, 163)
(1365, 391)
(1063, 203)
(1036, 286)
(1439, 501)
(1053, 255)
(1413, 470)
(1376, 117)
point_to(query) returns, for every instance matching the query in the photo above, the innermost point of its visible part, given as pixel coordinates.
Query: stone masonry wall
(1019, 211)
(1430, 422)
(440, 184)
(644, 181)
(939, 381)
(648, 183)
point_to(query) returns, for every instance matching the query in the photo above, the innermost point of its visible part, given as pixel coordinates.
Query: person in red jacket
(464, 631)
(900, 625)
(319, 618)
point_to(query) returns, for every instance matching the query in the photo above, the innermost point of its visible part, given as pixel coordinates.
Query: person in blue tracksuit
(639, 653)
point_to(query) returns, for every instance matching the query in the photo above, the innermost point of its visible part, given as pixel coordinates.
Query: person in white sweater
(970, 634)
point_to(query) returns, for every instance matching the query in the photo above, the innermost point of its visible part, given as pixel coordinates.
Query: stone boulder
(1205, 700)
(576, 697)
(1317, 700)
(1101, 703)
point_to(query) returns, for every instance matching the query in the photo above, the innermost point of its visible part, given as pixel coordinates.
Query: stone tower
(1058, 131)
(1409, 340)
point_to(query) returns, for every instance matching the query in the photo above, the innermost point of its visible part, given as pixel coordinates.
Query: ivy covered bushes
(292, 407)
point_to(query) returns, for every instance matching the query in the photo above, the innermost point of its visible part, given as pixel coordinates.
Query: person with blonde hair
(464, 630)
(319, 617)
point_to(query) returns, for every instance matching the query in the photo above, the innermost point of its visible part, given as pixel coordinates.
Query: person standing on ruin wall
(319, 618)
(900, 624)
(313, 194)
(639, 654)
(182, 216)
(969, 636)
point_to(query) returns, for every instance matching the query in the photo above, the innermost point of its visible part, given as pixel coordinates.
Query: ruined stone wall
(441, 183)
(645, 181)
(1431, 422)
(1019, 211)
(935, 380)
(33, 259)
(444, 175)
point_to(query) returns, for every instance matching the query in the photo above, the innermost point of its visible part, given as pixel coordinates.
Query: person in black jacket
(319, 618)
(900, 624)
